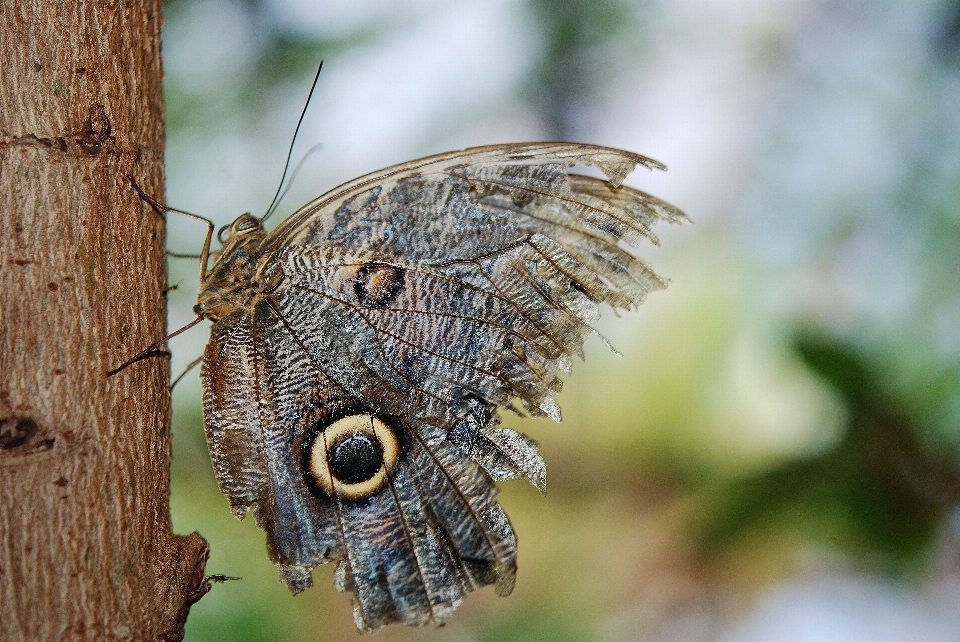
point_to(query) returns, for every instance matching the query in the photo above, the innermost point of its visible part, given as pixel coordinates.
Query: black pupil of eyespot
(356, 459)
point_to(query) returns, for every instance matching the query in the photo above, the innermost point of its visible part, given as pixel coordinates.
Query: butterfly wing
(478, 270)
(409, 548)
(403, 309)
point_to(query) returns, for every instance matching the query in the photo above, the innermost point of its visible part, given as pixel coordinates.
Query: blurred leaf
(880, 492)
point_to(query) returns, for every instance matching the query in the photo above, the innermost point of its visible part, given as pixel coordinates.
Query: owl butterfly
(360, 352)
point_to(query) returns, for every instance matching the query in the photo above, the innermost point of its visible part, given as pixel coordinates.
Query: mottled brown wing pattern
(361, 350)
(410, 552)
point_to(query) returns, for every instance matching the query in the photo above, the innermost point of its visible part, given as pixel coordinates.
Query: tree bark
(87, 549)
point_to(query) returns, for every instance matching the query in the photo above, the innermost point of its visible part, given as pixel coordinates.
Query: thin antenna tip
(286, 166)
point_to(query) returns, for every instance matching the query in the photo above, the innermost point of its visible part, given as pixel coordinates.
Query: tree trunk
(87, 550)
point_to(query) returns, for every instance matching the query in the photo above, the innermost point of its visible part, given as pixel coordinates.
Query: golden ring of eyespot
(352, 456)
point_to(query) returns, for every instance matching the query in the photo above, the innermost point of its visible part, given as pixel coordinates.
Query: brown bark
(87, 550)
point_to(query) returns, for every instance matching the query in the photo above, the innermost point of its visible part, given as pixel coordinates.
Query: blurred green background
(775, 455)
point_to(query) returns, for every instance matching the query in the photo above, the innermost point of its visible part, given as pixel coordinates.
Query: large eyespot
(352, 456)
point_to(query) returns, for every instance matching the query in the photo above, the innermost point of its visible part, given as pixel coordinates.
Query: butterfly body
(360, 351)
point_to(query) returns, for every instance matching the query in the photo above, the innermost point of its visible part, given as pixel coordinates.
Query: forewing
(442, 207)
(473, 274)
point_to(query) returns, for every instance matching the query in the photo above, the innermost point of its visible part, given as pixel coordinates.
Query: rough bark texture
(87, 550)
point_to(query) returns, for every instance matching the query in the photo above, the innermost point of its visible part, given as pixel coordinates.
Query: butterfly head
(233, 281)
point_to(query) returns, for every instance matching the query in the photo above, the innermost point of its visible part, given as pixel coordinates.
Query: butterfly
(361, 351)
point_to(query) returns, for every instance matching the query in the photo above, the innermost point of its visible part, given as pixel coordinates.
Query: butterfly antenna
(286, 166)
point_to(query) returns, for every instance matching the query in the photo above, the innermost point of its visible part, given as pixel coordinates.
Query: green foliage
(880, 493)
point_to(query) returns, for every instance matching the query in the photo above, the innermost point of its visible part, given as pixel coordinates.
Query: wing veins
(409, 343)
(416, 435)
(413, 548)
(379, 348)
(558, 197)
(456, 487)
(497, 293)
(522, 154)
(452, 315)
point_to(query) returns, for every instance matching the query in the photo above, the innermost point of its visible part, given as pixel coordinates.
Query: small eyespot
(377, 285)
(353, 456)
